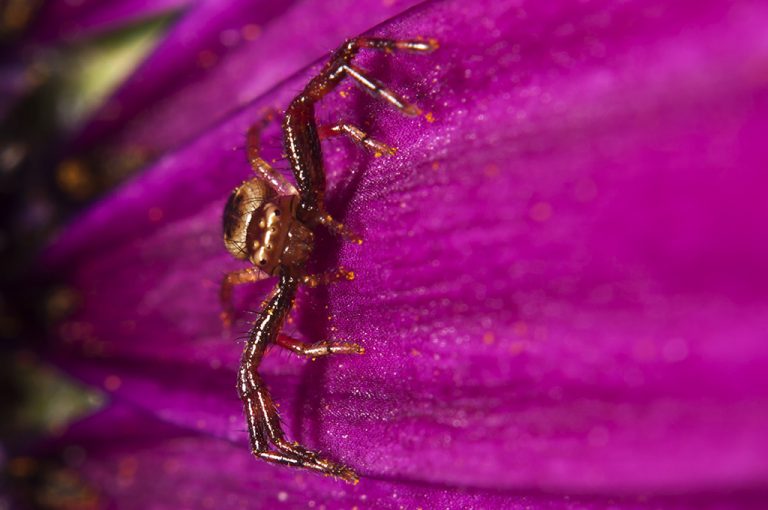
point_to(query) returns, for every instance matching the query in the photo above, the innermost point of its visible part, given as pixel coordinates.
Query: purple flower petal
(562, 285)
(217, 59)
(124, 454)
(69, 20)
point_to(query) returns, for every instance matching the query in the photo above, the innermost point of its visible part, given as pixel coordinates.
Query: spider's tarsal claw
(348, 475)
(411, 110)
(381, 149)
(417, 45)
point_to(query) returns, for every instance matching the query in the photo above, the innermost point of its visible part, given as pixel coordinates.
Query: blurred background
(47, 89)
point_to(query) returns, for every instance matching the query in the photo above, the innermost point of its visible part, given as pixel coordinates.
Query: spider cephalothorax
(267, 221)
(260, 226)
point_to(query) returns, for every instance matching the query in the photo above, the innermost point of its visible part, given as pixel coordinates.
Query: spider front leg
(263, 420)
(230, 280)
(301, 136)
(371, 85)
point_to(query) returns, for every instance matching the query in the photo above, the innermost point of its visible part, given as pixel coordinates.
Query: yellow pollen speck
(430, 118)
(488, 338)
(415, 353)
(112, 383)
(343, 93)
(540, 211)
(435, 165)
(377, 154)
(350, 275)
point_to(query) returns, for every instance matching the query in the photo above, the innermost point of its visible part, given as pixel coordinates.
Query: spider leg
(260, 410)
(318, 348)
(230, 280)
(371, 85)
(336, 227)
(328, 277)
(259, 164)
(408, 45)
(301, 136)
(264, 422)
(378, 90)
(323, 348)
(358, 136)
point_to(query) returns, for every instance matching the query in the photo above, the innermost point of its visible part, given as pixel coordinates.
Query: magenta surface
(217, 59)
(562, 290)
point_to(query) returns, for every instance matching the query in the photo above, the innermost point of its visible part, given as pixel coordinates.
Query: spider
(268, 222)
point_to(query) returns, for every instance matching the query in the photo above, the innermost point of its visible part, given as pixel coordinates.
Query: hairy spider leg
(327, 277)
(316, 349)
(322, 348)
(230, 280)
(300, 132)
(260, 410)
(259, 164)
(358, 136)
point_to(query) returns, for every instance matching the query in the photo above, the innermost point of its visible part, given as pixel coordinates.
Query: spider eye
(277, 212)
(262, 262)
